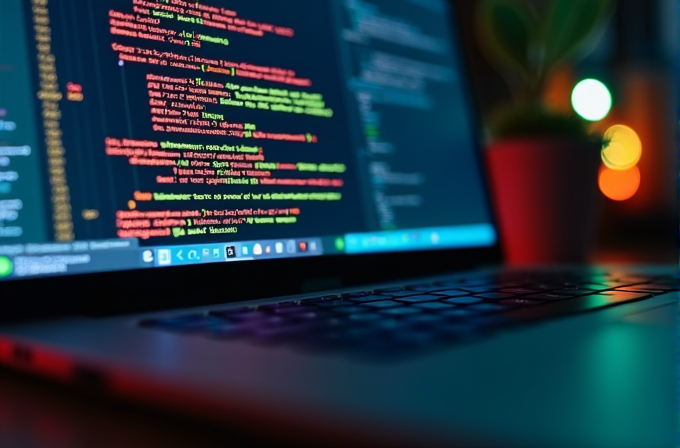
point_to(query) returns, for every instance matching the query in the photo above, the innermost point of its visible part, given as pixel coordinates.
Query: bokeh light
(619, 185)
(623, 150)
(591, 100)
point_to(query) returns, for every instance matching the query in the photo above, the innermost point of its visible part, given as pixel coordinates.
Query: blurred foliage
(537, 120)
(526, 45)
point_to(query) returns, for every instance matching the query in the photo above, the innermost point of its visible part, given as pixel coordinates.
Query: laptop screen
(147, 133)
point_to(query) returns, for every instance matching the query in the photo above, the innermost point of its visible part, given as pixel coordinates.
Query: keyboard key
(351, 295)
(487, 285)
(435, 306)
(323, 299)
(452, 293)
(522, 284)
(478, 289)
(420, 298)
(369, 298)
(383, 304)
(401, 293)
(335, 303)
(550, 286)
(467, 300)
(575, 292)
(494, 296)
(521, 291)
(551, 296)
(402, 311)
(649, 287)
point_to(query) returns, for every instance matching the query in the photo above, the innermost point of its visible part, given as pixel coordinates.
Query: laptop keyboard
(415, 317)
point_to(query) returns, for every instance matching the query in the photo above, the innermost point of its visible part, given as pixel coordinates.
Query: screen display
(147, 133)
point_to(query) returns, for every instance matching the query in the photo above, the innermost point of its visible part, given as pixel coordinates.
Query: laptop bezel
(142, 290)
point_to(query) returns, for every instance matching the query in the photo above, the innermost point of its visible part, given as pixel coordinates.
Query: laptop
(272, 215)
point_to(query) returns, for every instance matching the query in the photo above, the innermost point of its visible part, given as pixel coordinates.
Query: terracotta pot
(546, 197)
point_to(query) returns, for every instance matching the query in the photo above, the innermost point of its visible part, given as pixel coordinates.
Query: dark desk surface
(38, 414)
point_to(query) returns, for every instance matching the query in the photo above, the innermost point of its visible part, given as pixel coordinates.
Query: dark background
(635, 58)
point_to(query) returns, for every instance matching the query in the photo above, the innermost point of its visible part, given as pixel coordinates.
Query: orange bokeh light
(619, 185)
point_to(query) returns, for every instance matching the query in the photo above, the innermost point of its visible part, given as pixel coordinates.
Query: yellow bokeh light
(619, 185)
(624, 149)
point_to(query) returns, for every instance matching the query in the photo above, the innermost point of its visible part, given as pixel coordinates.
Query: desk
(38, 414)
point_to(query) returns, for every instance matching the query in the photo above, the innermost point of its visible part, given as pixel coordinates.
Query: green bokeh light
(591, 99)
(6, 267)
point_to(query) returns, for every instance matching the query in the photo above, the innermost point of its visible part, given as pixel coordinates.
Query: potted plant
(543, 163)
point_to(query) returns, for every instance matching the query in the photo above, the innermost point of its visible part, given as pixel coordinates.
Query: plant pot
(546, 197)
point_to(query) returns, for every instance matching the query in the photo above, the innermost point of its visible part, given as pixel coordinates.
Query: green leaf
(571, 26)
(507, 30)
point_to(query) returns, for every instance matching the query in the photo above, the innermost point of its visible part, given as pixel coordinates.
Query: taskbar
(241, 251)
(85, 257)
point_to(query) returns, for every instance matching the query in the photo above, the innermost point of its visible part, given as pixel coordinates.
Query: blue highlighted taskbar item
(457, 237)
